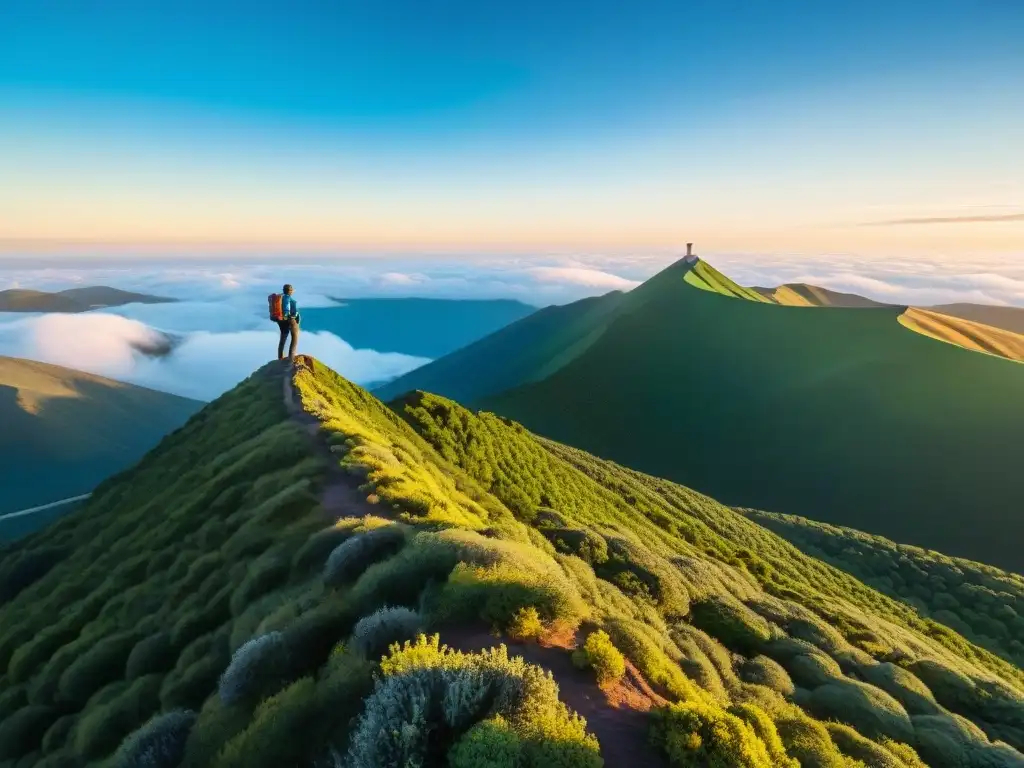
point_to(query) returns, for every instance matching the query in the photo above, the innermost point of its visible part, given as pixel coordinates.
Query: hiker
(285, 312)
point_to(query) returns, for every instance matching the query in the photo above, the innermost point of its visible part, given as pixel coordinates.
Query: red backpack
(276, 311)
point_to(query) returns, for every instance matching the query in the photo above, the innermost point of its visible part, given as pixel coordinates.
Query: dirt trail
(340, 496)
(617, 716)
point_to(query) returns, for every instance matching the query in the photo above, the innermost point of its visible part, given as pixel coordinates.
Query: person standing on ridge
(288, 323)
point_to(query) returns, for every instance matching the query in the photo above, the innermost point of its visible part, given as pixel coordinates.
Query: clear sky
(870, 127)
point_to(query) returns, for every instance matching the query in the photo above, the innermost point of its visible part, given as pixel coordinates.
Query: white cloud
(203, 365)
(590, 278)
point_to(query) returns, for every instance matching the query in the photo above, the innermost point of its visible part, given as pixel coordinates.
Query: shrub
(102, 728)
(526, 624)
(871, 711)
(373, 634)
(695, 733)
(809, 743)
(431, 692)
(313, 554)
(23, 731)
(312, 636)
(150, 655)
(353, 556)
(264, 575)
(903, 686)
(187, 687)
(257, 668)
(853, 745)
(488, 744)
(101, 664)
(765, 729)
(599, 652)
(57, 734)
(731, 623)
(160, 743)
(809, 670)
(761, 670)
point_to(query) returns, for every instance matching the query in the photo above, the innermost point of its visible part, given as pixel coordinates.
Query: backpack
(276, 310)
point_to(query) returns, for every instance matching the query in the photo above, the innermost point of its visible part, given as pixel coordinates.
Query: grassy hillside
(243, 583)
(704, 276)
(421, 327)
(72, 300)
(1007, 318)
(965, 333)
(806, 295)
(837, 415)
(65, 431)
(527, 350)
(979, 601)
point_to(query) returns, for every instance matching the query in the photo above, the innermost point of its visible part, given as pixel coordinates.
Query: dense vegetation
(64, 431)
(839, 415)
(978, 601)
(251, 595)
(422, 327)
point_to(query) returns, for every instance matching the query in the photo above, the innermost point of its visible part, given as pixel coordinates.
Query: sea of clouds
(217, 332)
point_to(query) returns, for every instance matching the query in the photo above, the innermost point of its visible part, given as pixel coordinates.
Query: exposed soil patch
(617, 715)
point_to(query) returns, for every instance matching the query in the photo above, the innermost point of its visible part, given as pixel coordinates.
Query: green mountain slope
(73, 299)
(979, 601)
(244, 581)
(839, 415)
(527, 350)
(421, 327)
(65, 431)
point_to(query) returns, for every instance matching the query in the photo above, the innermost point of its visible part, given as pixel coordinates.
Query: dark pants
(290, 326)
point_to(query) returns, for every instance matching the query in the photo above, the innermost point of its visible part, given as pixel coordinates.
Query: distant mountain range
(64, 431)
(73, 299)
(839, 414)
(412, 326)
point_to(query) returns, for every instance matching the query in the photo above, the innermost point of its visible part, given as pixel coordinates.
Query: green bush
(810, 670)
(150, 655)
(353, 556)
(264, 575)
(903, 686)
(599, 652)
(693, 734)
(187, 687)
(762, 670)
(374, 634)
(23, 731)
(526, 624)
(763, 726)
(808, 742)
(57, 734)
(257, 668)
(160, 743)
(101, 664)
(488, 744)
(731, 623)
(871, 711)
(102, 728)
(312, 556)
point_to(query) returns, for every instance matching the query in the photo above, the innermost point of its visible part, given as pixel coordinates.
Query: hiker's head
(288, 290)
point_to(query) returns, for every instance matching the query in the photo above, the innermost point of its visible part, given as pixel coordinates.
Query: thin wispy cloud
(967, 219)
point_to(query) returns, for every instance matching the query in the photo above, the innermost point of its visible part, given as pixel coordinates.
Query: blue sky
(781, 126)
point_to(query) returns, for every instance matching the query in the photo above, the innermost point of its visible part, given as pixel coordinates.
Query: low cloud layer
(202, 364)
(220, 332)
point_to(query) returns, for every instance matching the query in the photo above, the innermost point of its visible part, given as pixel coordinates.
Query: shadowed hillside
(965, 333)
(1007, 318)
(838, 415)
(73, 299)
(245, 583)
(64, 431)
(806, 295)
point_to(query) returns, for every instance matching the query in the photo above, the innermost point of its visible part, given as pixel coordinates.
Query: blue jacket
(288, 306)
